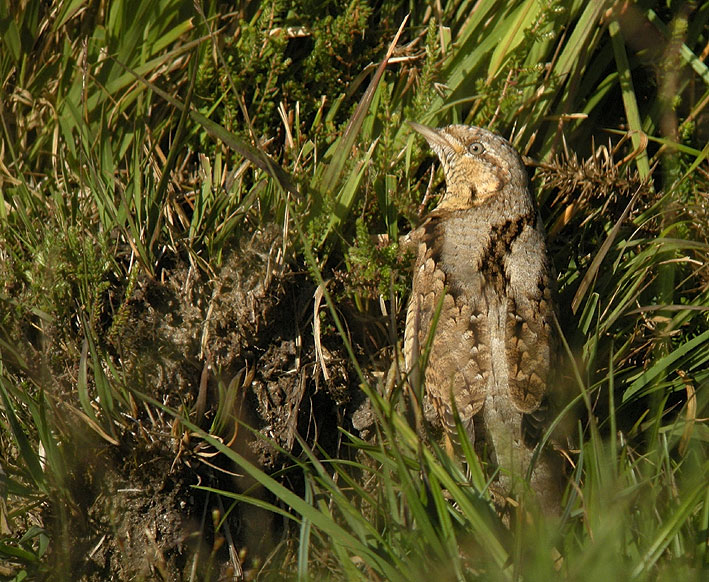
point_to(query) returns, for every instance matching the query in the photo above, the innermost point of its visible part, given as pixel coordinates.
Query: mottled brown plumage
(482, 257)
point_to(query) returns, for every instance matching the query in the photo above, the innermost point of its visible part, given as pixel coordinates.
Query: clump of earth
(248, 346)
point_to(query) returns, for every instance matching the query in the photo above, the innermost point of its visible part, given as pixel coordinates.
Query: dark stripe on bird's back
(434, 237)
(502, 236)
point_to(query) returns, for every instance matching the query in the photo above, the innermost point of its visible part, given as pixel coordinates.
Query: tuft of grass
(145, 145)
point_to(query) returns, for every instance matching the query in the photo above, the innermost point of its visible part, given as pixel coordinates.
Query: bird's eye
(476, 148)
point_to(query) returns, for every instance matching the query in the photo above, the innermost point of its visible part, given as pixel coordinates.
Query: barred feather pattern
(482, 269)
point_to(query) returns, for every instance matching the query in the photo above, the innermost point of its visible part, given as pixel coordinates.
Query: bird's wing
(458, 364)
(529, 334)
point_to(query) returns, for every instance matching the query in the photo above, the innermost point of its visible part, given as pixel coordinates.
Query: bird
(479, 339)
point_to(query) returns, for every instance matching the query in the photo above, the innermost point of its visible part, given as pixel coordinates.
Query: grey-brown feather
(482, 258)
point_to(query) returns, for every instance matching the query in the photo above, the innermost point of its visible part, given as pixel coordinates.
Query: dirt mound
(232, 348)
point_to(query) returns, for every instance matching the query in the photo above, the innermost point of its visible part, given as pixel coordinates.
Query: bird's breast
(473, 250)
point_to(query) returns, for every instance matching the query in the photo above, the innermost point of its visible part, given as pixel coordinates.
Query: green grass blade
(663, 365)
(336, 164)
(670, 527)
(29, 455)
(629, 99)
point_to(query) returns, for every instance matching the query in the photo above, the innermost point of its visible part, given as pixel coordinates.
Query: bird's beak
(433, 136)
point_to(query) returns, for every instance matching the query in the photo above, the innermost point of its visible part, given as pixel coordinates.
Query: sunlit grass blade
(345, 198)
(629, 99)
(304, 539)
(520, 20)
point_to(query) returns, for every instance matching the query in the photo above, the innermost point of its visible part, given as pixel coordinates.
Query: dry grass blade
(690, 413)
(600, 255)
(320, 357)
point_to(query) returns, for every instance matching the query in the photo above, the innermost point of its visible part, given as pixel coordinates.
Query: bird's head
(477, 164)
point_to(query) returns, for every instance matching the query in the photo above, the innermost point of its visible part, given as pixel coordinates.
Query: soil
(232, 350)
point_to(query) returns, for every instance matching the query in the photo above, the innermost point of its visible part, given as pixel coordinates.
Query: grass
(188, 191)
